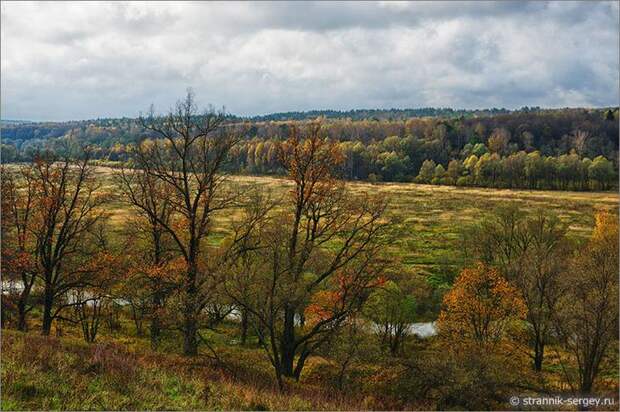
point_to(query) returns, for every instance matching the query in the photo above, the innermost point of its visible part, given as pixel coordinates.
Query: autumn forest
(563, 149)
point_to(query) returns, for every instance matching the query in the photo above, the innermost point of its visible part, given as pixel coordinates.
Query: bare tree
(88, 311)
(587, 323)
(67, 208)
(538, 273)
(149, 286)
(578, 140)
(186, 160)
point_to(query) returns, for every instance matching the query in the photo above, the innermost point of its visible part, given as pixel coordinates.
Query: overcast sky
(64, 61)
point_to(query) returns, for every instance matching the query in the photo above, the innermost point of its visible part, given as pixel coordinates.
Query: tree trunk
(279, 380)
(157, 296)
(539, 352)
(341, 372)
(21, 315)
(300, 364)
(137, 320)
(587, 381)
(155, 325)
(190, 346)
(287, 344)
(244, 326)
(47, 310)
(23, 302)
(394, 344)
(190, 329)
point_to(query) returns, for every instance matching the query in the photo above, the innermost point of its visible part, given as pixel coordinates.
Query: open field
(433, 217)
(431, 220)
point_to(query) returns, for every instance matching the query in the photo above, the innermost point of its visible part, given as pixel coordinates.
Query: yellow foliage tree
(480, 306)
(587, 324)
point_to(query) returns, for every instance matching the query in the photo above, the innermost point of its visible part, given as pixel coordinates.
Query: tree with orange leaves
(91, 302)
(318, 256)
(18, 248)
(480, 307)
(477, 360)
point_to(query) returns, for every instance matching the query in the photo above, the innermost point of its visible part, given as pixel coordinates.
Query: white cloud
(83, 60)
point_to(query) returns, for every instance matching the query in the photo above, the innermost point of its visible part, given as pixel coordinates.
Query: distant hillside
(7, 122)
(381, 114)
(368, 124)
(356, 114)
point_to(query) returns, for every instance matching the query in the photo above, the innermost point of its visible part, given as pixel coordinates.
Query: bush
(464, 181)
(473, 379)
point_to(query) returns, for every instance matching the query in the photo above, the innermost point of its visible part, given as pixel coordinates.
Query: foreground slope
(40, 373)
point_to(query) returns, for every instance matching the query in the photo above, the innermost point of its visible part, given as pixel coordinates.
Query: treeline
(380, 162)
(523, 170)
(569, 149)
(381, 114)
(23, 131)
(545, 130)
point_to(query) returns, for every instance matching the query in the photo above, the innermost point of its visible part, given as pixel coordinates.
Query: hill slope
(40, 373)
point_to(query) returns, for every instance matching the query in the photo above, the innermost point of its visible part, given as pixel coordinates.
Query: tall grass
(48, 373)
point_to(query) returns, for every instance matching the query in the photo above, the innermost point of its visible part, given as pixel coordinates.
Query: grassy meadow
(431, 220)
(432, 217)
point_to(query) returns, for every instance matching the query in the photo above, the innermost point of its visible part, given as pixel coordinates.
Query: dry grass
(65, 374)
(432, 216)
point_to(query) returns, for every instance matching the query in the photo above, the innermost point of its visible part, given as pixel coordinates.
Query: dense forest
(565, 149)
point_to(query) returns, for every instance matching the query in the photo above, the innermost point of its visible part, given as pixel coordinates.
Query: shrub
(464, 181)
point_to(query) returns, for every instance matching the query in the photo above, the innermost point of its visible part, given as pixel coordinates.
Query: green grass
(41, 373)
(433, 217)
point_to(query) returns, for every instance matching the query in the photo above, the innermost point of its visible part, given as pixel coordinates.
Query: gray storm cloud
(65, 61)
